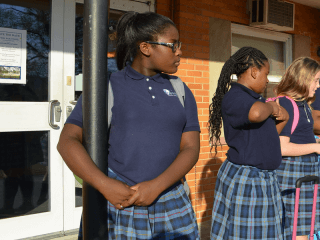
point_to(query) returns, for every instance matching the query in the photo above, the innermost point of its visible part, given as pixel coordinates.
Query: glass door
(31, 80)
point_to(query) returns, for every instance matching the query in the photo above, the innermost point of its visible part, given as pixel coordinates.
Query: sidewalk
(204, 234)
(72, 237)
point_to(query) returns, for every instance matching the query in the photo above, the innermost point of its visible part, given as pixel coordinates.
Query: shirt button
(153, 97)
(150, 88)
(147, 79)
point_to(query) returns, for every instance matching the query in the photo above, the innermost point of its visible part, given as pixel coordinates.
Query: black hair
(134, 28)
(237, 64)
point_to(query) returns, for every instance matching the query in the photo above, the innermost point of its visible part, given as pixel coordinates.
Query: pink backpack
(296, 114)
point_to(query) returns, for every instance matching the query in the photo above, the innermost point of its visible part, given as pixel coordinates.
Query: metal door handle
(57, 110)
(73, 102)
(69, 110)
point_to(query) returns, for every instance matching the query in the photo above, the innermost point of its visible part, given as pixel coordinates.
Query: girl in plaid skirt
(154, 139)
(247, 200)
(299, 148)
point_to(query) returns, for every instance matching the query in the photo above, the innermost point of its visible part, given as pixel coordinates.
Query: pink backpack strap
(296, 114)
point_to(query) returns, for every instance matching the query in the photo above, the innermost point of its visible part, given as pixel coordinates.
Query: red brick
(202, 93)
(194, 73)
(202, 55)
(181, 72)
(187, 67)
(195, 86)
(187, 79)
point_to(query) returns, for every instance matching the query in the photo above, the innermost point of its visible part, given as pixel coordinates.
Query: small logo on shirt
(169, 93)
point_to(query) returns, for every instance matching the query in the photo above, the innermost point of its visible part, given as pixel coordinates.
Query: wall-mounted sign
(13, 55)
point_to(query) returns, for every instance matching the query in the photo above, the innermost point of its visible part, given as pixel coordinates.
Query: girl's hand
(283, 115)
(118, 193)
(276, 108)
(145, 194)
(279, 112)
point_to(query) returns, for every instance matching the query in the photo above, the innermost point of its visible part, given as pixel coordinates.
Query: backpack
(178, 87)
(296, 114)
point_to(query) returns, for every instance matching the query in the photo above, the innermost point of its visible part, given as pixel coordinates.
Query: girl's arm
(261, 111)
(293, 149)
(80, 163)
(147, 192)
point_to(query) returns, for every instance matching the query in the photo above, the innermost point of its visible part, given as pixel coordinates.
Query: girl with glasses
(154, 140)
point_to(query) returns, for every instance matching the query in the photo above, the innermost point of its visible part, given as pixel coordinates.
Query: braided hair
(238, 63)
(134, 28)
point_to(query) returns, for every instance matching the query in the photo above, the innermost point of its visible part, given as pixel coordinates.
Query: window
(275, 45)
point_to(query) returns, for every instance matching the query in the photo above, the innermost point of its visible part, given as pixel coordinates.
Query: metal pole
(95, 73)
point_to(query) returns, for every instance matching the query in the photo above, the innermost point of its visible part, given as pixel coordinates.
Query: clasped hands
(142, 194)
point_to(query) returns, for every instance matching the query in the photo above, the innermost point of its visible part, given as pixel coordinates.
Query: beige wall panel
(220, 51)
(301, 46)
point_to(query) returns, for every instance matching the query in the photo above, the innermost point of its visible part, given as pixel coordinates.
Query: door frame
(35, 113)
(71, 214)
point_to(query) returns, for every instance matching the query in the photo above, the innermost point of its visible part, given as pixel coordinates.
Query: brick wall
(192, 19)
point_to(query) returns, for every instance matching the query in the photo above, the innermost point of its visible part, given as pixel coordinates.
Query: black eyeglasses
(174, 46)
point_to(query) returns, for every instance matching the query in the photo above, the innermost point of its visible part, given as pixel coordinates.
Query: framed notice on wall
(13, 55)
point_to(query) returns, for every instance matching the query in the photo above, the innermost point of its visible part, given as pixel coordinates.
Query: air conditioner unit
(275, 15)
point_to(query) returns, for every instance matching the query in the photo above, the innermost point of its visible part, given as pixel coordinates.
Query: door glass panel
(112, 66)
(24, 173)
(34, 17)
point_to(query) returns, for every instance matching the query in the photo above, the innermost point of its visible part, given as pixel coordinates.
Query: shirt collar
(247, 90)
(133, 74)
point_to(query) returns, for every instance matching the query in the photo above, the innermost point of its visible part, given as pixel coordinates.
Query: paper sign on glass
(13, 55)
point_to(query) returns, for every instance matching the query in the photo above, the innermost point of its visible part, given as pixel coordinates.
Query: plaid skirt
(289, 171)
(170, 217)
(247, 204)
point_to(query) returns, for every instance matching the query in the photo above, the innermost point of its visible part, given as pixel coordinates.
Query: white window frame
(130, 5)
(270, 35)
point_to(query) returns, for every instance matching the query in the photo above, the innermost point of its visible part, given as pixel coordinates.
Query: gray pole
(95, 74)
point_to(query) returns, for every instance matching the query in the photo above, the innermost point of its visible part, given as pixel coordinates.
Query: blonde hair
(296, 81)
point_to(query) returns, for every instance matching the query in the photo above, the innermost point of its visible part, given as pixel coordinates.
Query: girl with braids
(247, 201)
(299, 148)
(154, 140)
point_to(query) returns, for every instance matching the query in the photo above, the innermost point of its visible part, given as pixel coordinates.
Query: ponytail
(134, 28)
(240, 62)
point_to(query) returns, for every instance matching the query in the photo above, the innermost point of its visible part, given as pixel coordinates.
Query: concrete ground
(204, 234)
(72, 237)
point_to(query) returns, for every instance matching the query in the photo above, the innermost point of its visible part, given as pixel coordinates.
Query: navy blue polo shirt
(304, 131)
(146, 126)
(253, 144)
(316, 103)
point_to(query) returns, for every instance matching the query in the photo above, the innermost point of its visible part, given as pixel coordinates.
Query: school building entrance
(40, 79)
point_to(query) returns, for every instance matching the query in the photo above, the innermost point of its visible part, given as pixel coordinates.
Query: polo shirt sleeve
(76, 114)
(191, 111)
(286, 104)
(316, 103)
(237, 109)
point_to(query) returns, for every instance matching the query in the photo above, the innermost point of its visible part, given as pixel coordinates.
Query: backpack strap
(296, 114)
(178, 87)
(110, 103)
